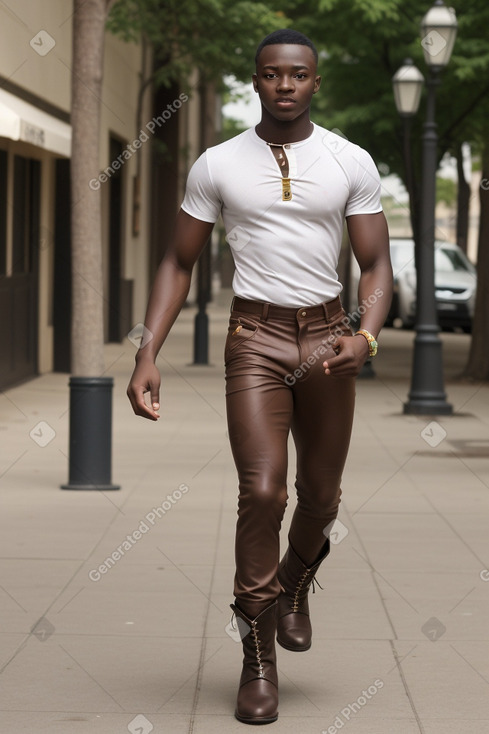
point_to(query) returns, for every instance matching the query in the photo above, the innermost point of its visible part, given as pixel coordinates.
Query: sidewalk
(401, 637)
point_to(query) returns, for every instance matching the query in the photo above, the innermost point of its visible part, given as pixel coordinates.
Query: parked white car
(455, 285)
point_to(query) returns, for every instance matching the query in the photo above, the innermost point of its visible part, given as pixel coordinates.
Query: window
(25, 233)
(3, 212)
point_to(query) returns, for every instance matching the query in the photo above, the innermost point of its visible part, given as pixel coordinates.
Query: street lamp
(438, 33)
(408, 83)
(427, 395)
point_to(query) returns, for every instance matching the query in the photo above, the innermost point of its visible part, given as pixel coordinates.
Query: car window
(450, 260)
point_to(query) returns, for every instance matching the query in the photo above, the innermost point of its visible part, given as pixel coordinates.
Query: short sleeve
(365, 192)
(201, 200)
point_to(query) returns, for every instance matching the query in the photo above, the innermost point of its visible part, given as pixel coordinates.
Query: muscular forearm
(170, 289)
(374, 296)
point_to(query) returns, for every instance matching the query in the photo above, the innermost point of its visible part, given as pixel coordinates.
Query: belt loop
(232, 303)
(264, 311)
(325, 309)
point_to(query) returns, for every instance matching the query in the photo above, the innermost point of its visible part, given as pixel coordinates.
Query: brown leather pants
(275, 383)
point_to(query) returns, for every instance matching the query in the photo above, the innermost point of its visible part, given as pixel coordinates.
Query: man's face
(285, 80)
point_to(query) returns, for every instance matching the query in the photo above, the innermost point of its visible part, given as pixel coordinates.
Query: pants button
(303, 313)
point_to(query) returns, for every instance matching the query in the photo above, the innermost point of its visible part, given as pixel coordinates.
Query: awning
(20, 120)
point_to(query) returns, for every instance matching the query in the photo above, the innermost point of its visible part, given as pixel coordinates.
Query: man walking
(284, 190)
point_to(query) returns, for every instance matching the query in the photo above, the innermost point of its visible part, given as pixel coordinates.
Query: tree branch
(446, 138)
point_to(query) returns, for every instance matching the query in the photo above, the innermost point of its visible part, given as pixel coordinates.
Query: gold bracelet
(371, 340)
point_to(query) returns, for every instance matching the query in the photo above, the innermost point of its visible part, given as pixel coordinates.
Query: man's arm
(168, 294)
(369, 239)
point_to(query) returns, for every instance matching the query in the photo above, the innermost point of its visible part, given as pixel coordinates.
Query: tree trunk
(478, 365)
(463, 199)
(86, 229)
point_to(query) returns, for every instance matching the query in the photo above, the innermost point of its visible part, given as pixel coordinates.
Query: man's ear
(254, 79)
(317, 84)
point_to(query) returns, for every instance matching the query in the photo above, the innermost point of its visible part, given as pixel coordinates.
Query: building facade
(141, 187)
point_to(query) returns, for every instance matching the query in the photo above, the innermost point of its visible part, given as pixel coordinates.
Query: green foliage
(446, 191)
(216, 37)
(231, 128)
(372, 11)
(363, 42)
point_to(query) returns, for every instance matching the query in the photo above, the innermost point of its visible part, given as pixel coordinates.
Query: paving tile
(389, 540)
(103, 674)
(99, 611)
(447, 680)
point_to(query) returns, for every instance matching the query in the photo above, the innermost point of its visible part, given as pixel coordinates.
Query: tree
(477, 367)
(463, 201)
(214, 37)
(89, 20)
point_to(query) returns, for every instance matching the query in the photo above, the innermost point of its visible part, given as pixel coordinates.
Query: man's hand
(145, 378)
(351, 355)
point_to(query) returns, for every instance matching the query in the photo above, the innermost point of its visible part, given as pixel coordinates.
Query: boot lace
(302, 586)
(257, 641)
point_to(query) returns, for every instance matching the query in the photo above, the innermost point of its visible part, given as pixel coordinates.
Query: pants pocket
(240, 330)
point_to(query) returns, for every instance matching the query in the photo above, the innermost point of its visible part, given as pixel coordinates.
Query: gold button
(304, 313)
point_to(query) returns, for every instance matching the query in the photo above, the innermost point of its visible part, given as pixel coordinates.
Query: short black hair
(288, 36)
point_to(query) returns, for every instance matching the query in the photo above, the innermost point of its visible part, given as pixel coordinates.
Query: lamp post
(201, 322)
(408, 83)
(427, 395)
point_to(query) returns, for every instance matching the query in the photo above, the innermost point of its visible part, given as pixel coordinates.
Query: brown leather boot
(258, 687)
(294, 630)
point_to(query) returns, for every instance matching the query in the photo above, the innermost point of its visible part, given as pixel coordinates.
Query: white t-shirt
(285, 252)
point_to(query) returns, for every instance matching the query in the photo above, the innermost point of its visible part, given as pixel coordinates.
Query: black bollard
(90, 452)
(201, 337)
(201, 324)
